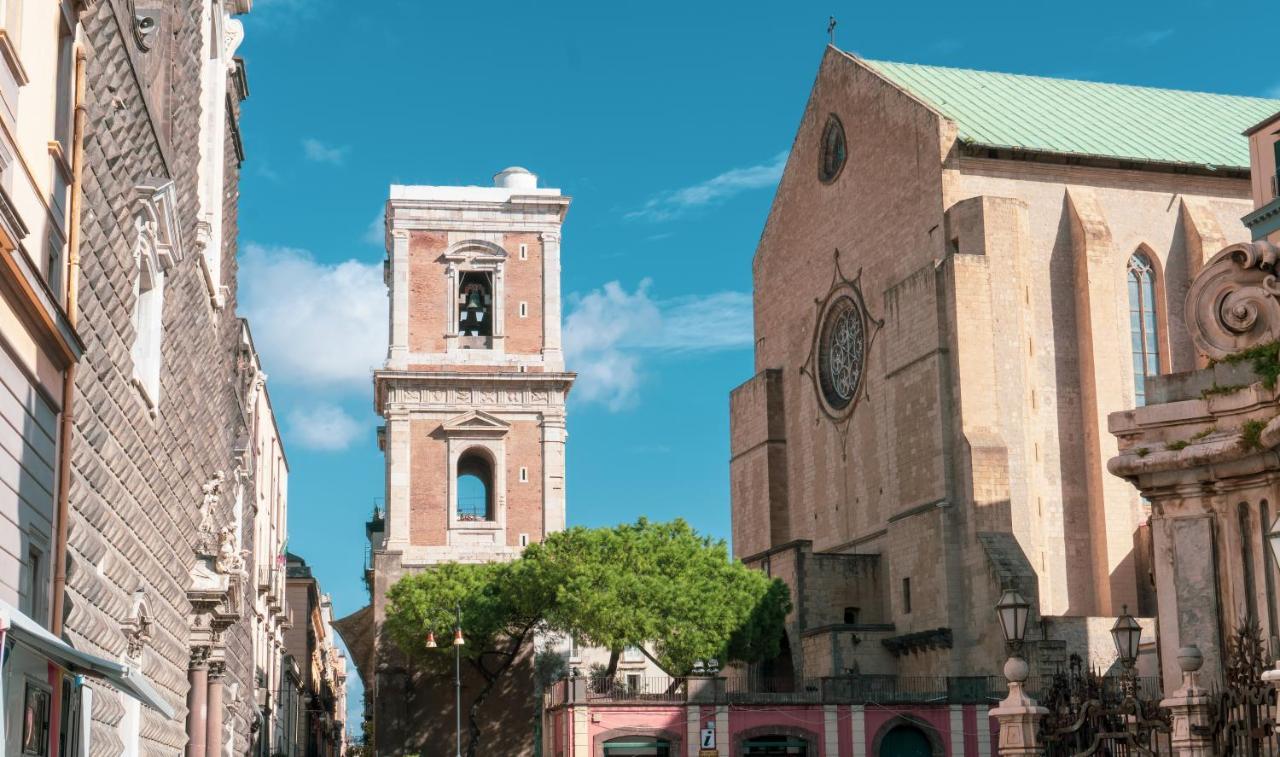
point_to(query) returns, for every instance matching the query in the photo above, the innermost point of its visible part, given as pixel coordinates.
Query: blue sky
(667, 122)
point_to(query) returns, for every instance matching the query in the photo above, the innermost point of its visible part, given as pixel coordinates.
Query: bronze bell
(474, 300)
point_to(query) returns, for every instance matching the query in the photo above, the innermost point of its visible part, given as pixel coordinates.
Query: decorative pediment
(157, 222)
(475, 252)
(475, 424)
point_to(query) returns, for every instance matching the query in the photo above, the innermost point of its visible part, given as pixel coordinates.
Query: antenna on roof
(831, 29)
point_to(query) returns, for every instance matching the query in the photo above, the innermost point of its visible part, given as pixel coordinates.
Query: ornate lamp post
(458, 643)
(1018, 714)
(1127, 635)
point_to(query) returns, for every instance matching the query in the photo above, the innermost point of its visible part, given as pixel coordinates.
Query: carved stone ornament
(137, 629)
(229, 560)
(1234, 302)
(207, 533)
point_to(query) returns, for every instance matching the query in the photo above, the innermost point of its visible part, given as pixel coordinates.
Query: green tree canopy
(655, 584)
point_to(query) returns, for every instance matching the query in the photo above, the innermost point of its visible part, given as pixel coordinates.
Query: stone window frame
(477, 432)
(466, 256)
(1159, 307)
(157, 249)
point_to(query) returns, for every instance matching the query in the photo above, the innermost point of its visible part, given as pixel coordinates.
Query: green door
(905, 741)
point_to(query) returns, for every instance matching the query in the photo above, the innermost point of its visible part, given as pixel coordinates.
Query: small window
(632, 654)
(33, 604)
(524, 252)
(474, 488)
(524, 475)
(633, 682)
(906, 595)
(475, 303)
(850, 615)
(524, 540)
(831, 155)
(524, 310)
(64, 93)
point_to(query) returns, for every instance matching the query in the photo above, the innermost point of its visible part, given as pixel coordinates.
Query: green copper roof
(1087, 118)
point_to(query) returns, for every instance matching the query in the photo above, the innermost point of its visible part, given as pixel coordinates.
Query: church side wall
(1039, 409)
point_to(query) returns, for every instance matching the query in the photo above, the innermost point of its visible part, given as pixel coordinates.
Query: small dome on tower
(515, 177)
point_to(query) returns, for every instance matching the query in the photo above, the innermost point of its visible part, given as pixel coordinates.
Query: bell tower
(473, 390)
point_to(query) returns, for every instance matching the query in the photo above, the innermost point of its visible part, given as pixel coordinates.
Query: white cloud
(1152, 37)
(609, 331)
(324, 427)
(673, 203)
(377, 231)
(315, 324)
(319, 152)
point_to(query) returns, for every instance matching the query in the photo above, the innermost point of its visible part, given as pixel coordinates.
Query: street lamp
(1013, 612)
(1127, 635)
(458, 643)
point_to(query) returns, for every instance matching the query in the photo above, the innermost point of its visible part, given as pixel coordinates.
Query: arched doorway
(775, 745)
(637, 746)
(905, 741)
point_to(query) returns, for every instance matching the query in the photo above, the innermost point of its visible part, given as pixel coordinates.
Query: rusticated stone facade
(158, 575)
(983, 287)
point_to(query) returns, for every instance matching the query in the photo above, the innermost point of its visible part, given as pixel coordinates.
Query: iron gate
(1106, 716)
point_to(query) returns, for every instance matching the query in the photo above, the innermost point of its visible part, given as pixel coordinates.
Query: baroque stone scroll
(1234, 303)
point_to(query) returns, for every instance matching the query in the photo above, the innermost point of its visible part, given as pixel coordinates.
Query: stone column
(1019, 715)
(1190, 708)
(213, 724)
(198, 681)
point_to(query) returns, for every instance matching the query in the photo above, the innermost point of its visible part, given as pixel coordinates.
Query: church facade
(961, 275)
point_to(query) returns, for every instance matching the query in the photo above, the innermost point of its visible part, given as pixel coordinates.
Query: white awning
(34, 636)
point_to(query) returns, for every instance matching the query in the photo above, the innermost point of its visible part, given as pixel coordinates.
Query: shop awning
(34, 636)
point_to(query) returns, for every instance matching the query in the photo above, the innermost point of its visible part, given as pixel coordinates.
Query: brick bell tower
(473, 390)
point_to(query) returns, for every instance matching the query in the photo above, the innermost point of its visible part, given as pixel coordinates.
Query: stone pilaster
(553, 470)
(398, 352)
(551, 350)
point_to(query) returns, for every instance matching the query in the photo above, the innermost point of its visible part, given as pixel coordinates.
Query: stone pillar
(1190, 709)
(213, 722)
(198, 681)
(1019, 715)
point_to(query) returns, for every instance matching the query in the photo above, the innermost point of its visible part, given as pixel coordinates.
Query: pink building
(708, 716)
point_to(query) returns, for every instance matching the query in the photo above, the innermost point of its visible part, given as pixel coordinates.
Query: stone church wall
(137, 474)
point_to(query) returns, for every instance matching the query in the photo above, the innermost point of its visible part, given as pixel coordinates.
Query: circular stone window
(831, 155)
(841, 353)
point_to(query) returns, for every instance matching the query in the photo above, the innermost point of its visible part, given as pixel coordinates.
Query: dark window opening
(475, 304)
(906, 595)
(637, 746)
(475, 488)
(1246, 549)
(779, 745)
(851, 615)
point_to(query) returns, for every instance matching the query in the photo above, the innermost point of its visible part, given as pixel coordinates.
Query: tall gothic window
(1142, 324)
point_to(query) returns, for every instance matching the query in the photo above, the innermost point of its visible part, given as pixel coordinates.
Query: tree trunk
(612, 670)
(490, 679)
